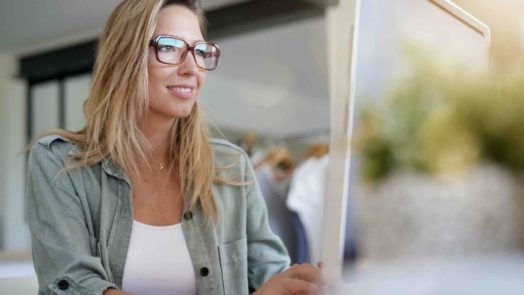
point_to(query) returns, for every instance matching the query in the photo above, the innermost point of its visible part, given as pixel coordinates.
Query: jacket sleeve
(64, 252)
(267, 254)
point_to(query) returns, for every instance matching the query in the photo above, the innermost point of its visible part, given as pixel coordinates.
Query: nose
(188, 66)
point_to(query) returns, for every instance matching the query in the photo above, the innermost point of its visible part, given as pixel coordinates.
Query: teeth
(182, 89)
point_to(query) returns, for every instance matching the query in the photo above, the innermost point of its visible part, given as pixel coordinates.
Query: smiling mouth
(184, 92)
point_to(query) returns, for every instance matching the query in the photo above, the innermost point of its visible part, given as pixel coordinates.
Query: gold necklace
(163, 168)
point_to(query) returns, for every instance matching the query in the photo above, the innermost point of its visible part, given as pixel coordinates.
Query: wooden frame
(343, 23)
(342, 34)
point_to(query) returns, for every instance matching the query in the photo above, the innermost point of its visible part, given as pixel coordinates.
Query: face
(281, 175)
(173, 89)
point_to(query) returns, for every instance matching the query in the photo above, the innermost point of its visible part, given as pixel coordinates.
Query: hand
(298, 279)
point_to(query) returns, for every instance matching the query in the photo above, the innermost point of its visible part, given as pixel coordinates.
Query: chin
(183, 113)
(173, 110)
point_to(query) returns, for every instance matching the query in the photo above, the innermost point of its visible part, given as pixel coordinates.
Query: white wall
(273, 81)
(76, 91)
(12, 139)
(3, 107)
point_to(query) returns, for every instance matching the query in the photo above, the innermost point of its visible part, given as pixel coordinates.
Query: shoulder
(231, 162)
(225, 152)
(53, 141)
(224, 146)
(53, 145)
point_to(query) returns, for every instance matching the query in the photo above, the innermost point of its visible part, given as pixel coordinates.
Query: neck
(157, 132)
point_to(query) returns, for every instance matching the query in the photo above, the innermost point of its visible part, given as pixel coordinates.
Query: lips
(182, 91)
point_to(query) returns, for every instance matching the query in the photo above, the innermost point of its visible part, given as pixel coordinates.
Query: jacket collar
(112, 168)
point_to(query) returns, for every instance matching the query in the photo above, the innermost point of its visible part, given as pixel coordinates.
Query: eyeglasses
(173, 51)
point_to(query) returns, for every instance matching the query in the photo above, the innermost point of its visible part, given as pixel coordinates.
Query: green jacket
(81, 223)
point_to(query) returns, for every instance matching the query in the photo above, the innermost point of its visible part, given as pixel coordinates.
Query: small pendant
(163, 167)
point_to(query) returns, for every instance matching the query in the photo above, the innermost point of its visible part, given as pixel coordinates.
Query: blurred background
(439, 138)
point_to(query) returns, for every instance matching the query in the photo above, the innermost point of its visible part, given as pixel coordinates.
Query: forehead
(177, 20)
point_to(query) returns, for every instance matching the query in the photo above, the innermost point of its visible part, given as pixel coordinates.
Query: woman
(140, 201)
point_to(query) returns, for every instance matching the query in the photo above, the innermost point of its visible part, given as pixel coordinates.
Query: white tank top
(158, 261)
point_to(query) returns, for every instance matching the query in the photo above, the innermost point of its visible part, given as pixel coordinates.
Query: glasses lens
(171, 50)
(206, 55)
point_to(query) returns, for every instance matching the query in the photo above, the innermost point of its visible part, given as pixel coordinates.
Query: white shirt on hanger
(306, 197)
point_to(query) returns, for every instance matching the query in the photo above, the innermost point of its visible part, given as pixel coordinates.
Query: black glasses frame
(154, 43)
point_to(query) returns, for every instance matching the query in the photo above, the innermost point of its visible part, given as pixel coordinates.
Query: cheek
(156, 79)
(152, 86)
(156, 74)
(201, 78)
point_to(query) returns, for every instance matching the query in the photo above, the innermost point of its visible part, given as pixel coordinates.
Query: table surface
(502, 274)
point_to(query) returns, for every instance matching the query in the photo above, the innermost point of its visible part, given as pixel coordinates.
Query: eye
(200, 53)
(165, 48)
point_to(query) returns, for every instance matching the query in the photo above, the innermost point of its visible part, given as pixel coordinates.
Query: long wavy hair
(119, 97)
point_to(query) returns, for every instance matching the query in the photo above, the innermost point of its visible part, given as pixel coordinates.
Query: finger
(306, 272)
(294, 286)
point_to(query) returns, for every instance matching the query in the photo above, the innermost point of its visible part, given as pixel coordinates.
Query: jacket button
(204, 271)
(188, 215)
(63, 285)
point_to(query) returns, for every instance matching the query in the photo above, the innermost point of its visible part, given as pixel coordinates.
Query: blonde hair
(119, 97)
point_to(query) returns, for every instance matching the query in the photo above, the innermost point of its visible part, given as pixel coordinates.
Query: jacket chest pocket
(233, 265)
